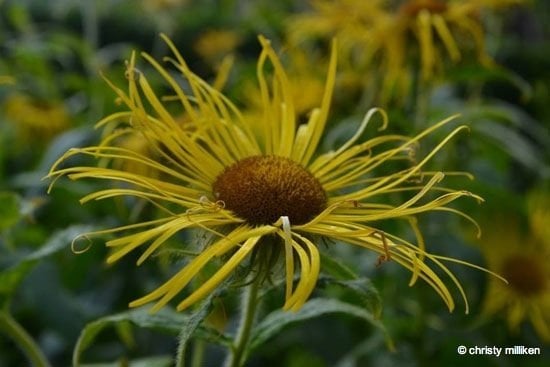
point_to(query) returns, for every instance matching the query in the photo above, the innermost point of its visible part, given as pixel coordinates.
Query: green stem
(249, 306)
(23, 340)
(198, 353)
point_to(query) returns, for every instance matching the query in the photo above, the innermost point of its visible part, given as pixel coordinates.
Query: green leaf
(59, 241)
(192, 327)
(277, 320)
(513, 143)
(11, 328)
(344, 277)
(479, 73)
(124, 331)
(10, 213)
(364, 290)
(11, 277)
(367, 347)
(335, 268)
(166, 320)
(19, 17)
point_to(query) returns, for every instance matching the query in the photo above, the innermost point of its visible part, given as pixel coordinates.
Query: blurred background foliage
(52, 58)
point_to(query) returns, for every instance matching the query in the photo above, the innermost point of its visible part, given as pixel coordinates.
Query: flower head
(6, 79)
(261, 185)
(34, 117)
(376, 36)
(214, 44)
(524, 260)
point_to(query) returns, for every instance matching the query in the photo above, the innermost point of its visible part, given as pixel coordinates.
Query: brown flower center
(525, 275)
(413, 7)
(261, 189)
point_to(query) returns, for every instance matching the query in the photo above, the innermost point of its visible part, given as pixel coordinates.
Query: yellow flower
(524, 260)
(215, 44)
(264, 191)
(36, 118)
(376, 37)
(6, 79)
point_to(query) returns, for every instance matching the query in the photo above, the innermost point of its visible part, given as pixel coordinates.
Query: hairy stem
(249, 306)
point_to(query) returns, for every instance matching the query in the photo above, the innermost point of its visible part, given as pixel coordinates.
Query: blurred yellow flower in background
(213, 45)
(135, 142)
(34, 118)
(6, 79)
(524, 260)
(260, 187)
(381, 40)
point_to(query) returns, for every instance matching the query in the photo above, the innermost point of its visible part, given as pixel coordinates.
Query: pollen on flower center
(261, 189)
(525, 275)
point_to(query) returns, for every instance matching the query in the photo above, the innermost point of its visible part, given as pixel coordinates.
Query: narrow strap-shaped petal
(446, 36)
(305, 266)
(311, 279)
(220, 275)
(286, 235)
(173, 286)
(308, 141)
(282, 131)
(425, 39)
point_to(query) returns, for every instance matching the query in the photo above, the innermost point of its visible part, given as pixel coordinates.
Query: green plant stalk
(249, 303)
(22, 338)
(198, 353)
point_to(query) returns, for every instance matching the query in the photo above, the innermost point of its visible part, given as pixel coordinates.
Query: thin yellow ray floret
(405, 254)
(425, 39)
(221, 274)
(286, 235)
(311, 264)
(396, 179)
(309, 135)
(446, 36)
(338, 164)
(172, 287)
(162, 233)
(279, 115)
